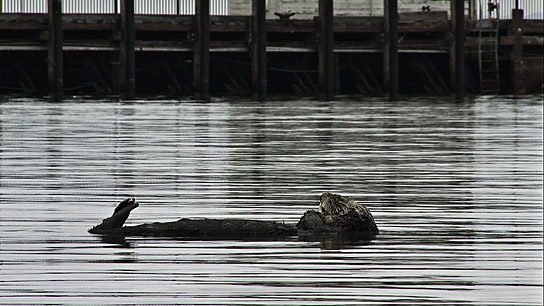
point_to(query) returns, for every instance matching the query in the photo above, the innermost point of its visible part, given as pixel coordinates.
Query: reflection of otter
(353, 221)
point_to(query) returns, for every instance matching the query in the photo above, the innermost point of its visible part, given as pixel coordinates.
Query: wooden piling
(453, 71)
(127, 59)
(54, 49)
(391, 48)
(457, 61)
(518, 69)
(114, 72)
(202, 50)
(326, 49)
(258, 49)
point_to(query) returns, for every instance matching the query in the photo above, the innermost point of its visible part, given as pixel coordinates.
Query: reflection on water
(456, 190)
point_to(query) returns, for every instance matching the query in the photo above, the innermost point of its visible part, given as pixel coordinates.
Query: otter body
(312, 222)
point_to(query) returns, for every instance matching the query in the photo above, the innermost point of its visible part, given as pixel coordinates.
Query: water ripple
(456, 190)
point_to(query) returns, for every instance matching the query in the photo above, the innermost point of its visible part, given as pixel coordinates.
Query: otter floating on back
(339, 216)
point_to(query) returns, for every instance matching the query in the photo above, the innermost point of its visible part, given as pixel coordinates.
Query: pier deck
(165, 47)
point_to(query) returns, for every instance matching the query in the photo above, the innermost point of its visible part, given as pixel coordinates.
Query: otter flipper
(117, 219)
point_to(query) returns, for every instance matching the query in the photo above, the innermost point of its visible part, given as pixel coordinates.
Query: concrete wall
(307, 9)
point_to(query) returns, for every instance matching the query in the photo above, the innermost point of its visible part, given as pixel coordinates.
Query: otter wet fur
(340, 209)
(339, 215)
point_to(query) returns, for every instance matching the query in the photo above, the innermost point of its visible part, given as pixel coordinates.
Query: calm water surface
(456, 190)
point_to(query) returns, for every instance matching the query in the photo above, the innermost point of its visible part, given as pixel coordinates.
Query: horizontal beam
(356, 47)
(37, 22)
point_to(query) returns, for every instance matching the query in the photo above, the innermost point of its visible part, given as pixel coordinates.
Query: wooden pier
(201, 55)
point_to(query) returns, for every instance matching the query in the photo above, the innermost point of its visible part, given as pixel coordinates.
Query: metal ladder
(488, 49)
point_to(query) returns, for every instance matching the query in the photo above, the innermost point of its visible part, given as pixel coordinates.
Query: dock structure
(127, 80)
(122, 52)
(54, 49)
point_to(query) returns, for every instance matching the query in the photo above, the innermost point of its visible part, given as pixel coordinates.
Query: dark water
(456, 190)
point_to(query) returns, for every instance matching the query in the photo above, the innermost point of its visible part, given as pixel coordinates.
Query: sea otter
(357, 221)
(341, 213)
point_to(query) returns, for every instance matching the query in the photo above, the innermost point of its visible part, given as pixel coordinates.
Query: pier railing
(486, 9)
(141, 7)
(476, 9)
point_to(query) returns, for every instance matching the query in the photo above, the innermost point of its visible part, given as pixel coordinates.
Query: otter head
(334, 204)
(326, 202)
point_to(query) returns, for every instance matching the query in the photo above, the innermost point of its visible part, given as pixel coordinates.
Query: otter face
(333, 204)
(326, 203)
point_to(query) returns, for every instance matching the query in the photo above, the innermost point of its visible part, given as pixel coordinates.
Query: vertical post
(458, 65)
(54, 50)
(391, 48)
(453, 70)
(114, 72)
(202, 50)
(258, 50)
(127, 58)
(326, 49)
(473, 9)
(518, 70)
